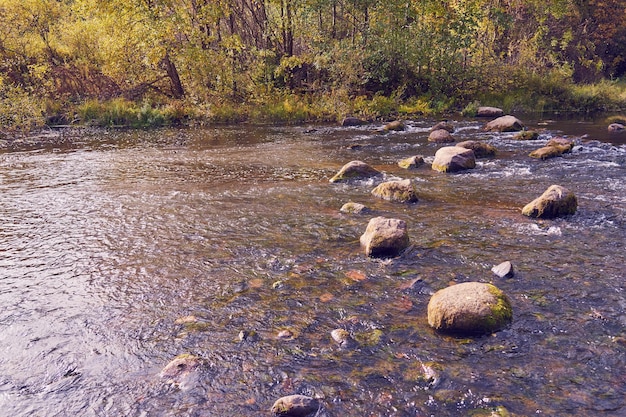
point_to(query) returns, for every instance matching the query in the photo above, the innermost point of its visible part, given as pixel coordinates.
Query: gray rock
(385, 238)
(504, 124)
(440, 136)
(355, 170)
(453, 159)
(295, 406)
(469, 308)
(556, 201)
(503, 270)
(400, 191)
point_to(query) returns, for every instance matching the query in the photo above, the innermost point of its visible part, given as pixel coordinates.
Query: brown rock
(551, 151)
(616, 127)
(295, 406)
(412, 162)
(352, 121)
(481, 149)
(396, 125)
(445, 125)
(354, 208)
(440, 136)
(504, 124)
(485, 111)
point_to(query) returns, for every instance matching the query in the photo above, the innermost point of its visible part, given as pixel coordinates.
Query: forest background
(166, 62)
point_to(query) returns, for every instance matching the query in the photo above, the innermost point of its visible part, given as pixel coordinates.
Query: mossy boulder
(412, 162)
(486, 111)
(385, 238)
(504, 124)
(400, 191)
(355, 170)
(481, 149)
(555, 147)
(453, 159)
(556, 201)
(296, 406)
(440, 136)
(470, 308)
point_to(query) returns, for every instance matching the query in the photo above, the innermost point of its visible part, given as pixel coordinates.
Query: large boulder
(469, 308)
(440, 136)
(412, 162)
(401, 191)
(453, 158)
(481, 149)
(485, 111)
(556, 201)
(385, 238)
(504, 124)
(354, 170)
(296, 406)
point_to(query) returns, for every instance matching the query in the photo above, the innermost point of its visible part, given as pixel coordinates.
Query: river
(120, 250)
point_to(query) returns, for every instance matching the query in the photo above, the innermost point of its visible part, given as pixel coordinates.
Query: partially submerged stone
(486, 111)
(295, 406)
(400, 191)
(354, 208)
(453, 159)
(504, 124)
(469, 308)
(556, 201)
(412, 162)
(355, 170)
(445, 125)
(385, 238)
(440, 136)
(396, 125)
(352, 121)
(481, 149)
(616, 127)
(553, 148)
(343, 338)
(182, 371)
(503, 270)
(527, 135)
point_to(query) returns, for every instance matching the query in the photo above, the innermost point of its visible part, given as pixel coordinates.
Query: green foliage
(19, 110)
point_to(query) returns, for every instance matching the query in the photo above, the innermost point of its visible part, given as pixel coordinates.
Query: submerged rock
(616, 127)
(400, 191)
(453, 158)
(556, 201)
(354, 208)
(486, 111)
(182, 370)
(295, 406)
(481, 149)
(385, 237)
(440, 136)
(412, 162)
(354, 170)
(504, 124)
(503, 270)
(343, 339)
(469, 308)
(555, 147)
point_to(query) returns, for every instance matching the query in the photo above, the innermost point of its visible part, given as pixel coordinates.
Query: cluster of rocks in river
(469, 308)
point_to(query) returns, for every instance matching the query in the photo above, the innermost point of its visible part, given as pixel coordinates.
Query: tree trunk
(178, 91)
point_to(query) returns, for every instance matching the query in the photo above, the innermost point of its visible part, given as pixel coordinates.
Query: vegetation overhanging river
(123, 249)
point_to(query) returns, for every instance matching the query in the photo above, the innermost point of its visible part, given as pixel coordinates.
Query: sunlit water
(108, 242)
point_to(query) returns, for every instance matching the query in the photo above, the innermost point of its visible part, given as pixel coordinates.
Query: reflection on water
(130, 248)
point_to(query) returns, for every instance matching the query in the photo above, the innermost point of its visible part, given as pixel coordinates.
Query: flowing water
(121, 250)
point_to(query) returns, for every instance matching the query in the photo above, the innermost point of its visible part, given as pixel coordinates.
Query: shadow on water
(123, 250)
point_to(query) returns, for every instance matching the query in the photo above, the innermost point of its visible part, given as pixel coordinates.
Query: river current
(120, 250)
